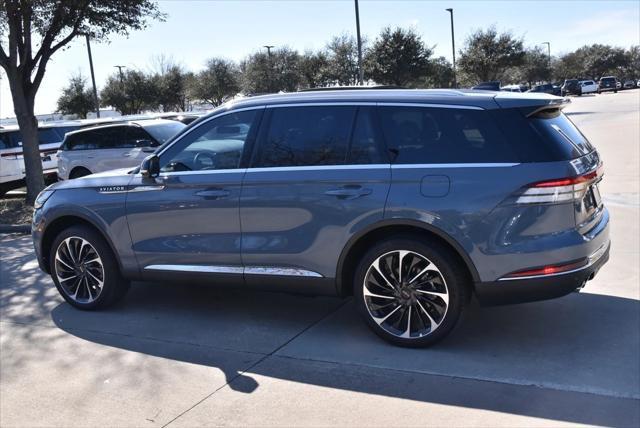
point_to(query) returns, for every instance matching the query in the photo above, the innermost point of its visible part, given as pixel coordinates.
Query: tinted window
(138, 137)
(365, 144)
(301, 136)
(538, 139)
(217, 144)
(49, 136)
(113, 138)
(446, 135)
(164, 131)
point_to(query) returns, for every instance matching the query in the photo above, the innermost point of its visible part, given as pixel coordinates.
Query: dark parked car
(488, 86)
(571, 87)
(411, 200)
(609, 83)
(547, 88)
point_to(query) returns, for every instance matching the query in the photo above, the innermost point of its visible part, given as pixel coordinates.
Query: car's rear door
(186, 221)
(318, 176)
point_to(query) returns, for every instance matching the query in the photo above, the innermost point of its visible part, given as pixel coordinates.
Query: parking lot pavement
(186, 355)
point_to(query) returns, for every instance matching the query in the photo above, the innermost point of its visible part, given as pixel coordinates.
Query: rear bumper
(542, 287)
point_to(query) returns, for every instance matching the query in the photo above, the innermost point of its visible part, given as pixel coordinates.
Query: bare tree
(32, 31)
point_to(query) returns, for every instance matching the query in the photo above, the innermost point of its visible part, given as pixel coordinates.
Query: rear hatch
(543, 135)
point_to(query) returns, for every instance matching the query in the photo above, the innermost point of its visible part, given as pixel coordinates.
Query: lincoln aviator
(411, 201)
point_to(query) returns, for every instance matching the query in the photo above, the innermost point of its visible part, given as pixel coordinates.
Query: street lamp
(360, 70)
(93, 78)
(269, 47)
(548, 50)
(120, 67)
(453, 48)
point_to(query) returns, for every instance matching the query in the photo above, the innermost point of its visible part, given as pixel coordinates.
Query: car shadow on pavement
(540, 344)
(582, 349)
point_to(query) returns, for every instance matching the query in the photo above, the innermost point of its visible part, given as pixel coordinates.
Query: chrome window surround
(314, 104)
(237, 270)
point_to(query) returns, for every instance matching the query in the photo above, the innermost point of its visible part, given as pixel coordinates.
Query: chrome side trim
(197, 268)
(146, 188)
(266, 270)
(319, 167)
(238, 270)
(454, 165)
(592, 259)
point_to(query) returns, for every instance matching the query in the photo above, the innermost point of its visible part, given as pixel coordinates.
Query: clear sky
(197, 30)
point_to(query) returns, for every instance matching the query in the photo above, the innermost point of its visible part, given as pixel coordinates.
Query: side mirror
(150, 166)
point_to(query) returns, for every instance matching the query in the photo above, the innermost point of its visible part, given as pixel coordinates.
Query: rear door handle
(348, 192)
(126, 154)
(213, 193)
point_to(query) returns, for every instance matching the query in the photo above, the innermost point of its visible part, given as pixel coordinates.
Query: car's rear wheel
(410, 293)
(85, 270)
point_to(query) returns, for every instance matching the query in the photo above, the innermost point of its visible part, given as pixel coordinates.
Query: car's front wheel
(85, 270)
(410, 293)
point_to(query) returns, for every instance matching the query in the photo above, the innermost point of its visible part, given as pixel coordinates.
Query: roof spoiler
(553, 106)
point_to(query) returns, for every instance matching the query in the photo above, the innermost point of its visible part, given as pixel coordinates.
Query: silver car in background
(106, 147)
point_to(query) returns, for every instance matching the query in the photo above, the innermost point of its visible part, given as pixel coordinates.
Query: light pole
(453, 48)
(548, 51)
(120, 67)
(269, 47)
(359, 39)
(93, 78)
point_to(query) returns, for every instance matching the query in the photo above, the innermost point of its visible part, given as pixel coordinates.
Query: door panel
(303, 217)
(318, 178)
(187, 220)
(174, 220)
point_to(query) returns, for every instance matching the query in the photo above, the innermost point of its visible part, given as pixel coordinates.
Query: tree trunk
(28, 124)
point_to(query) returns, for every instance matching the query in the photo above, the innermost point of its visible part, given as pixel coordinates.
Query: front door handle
(348, 192)
(213, 193)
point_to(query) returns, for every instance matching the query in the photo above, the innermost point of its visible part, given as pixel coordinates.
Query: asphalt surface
(185, 355)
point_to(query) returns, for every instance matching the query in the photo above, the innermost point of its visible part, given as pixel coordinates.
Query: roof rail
(349, 88)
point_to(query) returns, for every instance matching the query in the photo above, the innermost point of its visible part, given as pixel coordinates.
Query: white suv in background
(12, 172)
(113, 146)
(589, 86)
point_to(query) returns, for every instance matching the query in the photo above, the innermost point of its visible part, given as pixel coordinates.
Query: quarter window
(443, 135)
(304, 136)
(218, 144)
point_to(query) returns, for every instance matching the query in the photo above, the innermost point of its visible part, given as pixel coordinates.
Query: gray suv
(412, 201)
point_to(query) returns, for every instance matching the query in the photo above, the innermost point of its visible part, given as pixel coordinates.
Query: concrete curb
(15, 228)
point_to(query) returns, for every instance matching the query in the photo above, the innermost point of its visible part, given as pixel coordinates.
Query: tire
(81, 243)
(438, 314)
(79, 172)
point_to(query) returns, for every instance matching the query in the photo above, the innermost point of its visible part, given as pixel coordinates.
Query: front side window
(305, 136)
(443, 135)
(162, 132)
(217, 144)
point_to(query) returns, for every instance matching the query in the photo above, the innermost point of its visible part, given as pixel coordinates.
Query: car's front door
(187, 219)
(318, 176)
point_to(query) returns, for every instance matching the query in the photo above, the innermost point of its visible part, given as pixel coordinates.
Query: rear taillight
(560, 189)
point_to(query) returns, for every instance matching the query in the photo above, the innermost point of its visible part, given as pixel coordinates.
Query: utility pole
(453, 49)
(120, 67)
(93, 78)
(269, 47)
(360, 70)
(548, 51)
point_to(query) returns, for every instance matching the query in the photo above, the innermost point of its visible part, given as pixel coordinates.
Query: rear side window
(443, 135)
(545, 138)
(302, 136)
(366, 145)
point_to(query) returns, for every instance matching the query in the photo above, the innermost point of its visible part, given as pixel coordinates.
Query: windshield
(164, 131)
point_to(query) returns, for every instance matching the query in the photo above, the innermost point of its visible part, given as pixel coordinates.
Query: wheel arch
(77, 168)
(359, 243)
(63, 222)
